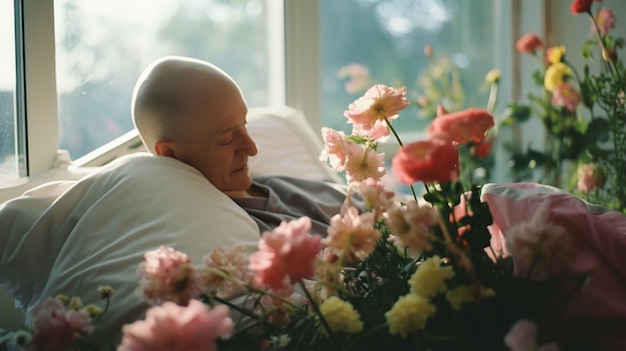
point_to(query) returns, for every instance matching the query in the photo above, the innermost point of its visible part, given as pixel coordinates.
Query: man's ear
(164, 148)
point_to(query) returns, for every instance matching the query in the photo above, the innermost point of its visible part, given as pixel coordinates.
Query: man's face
(217, 141)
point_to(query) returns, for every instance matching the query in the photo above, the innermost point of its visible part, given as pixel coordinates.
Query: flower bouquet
(582, 113)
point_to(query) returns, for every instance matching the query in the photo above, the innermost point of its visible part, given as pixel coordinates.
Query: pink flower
(375, 197)
(540, 249)
(358, 77)
(335, 148)
(55, 327)
(433, 160)
(411, 225)
(580, 6)
(605, 20)
(174, 327)
(523, 337)
(463, 126)
(286, 255)
(353, 234)
(231, 263)
(380, 102)
(565, 95)
(528, 43)
(363, 163)
(167, 275)
(590, 177)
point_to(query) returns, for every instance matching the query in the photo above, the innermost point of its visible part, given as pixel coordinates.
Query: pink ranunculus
(433, 160)
(605, 20)
(55, 327)
(174, 327)
(353, 234)
(411, 225)
(167, 275)
(358, 77)
(469, 125)
(523, 337)
(565, 95)
(589, 177)
(363, 163)
(528, 44)
(231, 263)
(540, 249)
(380, 102)
(286, 255)
(580, 6)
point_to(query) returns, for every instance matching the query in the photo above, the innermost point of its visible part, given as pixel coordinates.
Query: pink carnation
(540, 249)
(167, 275)
(375, 197)
(222, 263)
(605, 20)
(55, 327)
(363, 163)
(335, 148)
(353, 234)
(565, 95)
(286, 255)
(174, 327)
(589, 178)
(380, 104)
(411, 225)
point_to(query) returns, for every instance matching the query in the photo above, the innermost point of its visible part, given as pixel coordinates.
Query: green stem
(395, 134)
(493, 97)
(319, 313)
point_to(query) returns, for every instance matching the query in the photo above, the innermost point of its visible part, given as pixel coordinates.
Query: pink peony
(363, 163)
(523, 337)
(369, 112)
(411, 225)
(463, 126)
(174, 327)
(286, 255)
(226, 271)
(353, 234)
(55, 327)
(167, 275)
(540, 249)
(528, 43)
(605, 20)
(565, 95)
(433, 160)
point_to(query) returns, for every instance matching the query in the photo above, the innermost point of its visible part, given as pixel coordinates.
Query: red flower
(580, 6)
(463, 126)
(481, 150)
(528, 43)
(434, 160)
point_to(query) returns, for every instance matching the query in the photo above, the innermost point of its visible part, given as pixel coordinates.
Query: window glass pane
(9, 159)
(102, 47)
(364, 42)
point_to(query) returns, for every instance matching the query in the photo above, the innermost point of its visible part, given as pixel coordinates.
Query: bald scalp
(163, 102)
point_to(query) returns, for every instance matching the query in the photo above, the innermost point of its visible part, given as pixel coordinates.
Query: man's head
(194, 112)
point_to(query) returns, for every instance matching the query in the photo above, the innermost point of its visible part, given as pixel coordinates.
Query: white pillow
(287, 144)
(98, 230)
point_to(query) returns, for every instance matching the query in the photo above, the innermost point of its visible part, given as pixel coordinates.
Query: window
(11, 152)
(101, 50)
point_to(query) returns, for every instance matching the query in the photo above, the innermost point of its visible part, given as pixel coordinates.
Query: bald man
(193, 111)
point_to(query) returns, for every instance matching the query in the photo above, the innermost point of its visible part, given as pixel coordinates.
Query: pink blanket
(596, 316)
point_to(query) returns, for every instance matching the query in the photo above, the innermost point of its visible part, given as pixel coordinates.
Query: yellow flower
(430, 278)
(105, 291)
(341, 316)
(93, 310)
(408, 314)
(63, 298)
(467, 293)
(493, 76)
(555, 54)
(555, 75)
(76, 303)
